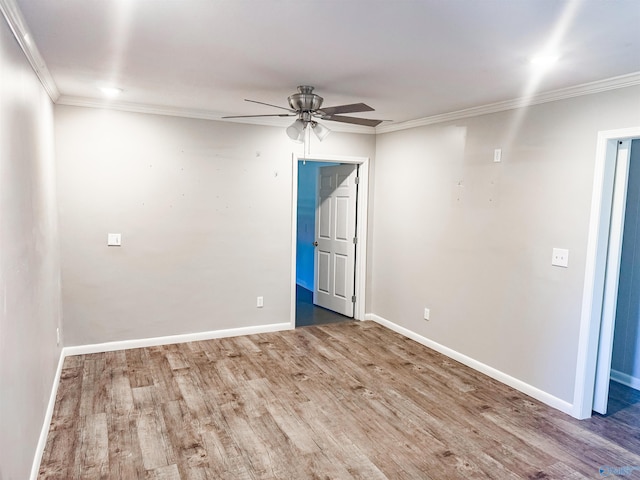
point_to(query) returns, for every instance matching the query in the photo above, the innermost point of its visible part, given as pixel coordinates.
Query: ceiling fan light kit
(295, 131)
(306, 105)
(320, 130)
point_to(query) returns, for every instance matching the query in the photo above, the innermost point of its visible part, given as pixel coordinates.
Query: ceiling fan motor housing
(305, 100)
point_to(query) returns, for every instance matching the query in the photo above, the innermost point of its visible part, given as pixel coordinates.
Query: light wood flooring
(339, 401)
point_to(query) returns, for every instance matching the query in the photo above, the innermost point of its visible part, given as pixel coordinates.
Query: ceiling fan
(307, 106)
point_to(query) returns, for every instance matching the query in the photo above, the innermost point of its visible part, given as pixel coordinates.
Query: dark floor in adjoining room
(623, 407)
(309, 314)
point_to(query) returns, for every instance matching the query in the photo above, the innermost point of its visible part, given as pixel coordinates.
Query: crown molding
(90, 102)
(194, 113)
(21, 32)
(614, 83)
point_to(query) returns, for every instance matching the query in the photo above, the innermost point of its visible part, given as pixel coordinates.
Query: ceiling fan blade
(357, 121)
(269, 105)
(253, 116)
(351, 108)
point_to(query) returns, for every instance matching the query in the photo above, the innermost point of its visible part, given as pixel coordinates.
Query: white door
(612, 275)
(334, 263)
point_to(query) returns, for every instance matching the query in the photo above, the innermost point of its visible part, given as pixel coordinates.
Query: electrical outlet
(260, 302)
(426, 314)
(58, 336)
(560, 257)
(497, 155)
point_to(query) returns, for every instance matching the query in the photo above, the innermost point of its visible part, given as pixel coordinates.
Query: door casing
(595, 267)
(612, 278)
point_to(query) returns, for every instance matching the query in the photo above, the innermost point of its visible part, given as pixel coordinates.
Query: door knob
(315, 244)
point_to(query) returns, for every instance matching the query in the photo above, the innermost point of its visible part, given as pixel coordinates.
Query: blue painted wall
(626, 343)
(307, 184)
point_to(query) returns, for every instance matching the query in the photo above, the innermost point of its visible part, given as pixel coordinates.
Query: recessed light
(544, 60)
(110, 92)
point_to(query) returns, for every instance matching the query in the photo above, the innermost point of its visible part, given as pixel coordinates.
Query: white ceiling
(407, 59)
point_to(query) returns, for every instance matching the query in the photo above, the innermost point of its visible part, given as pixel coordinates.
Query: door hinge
(357, 180)
(353, 299)
(355, 240)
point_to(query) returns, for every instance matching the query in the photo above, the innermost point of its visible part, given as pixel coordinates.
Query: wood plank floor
(340, 401)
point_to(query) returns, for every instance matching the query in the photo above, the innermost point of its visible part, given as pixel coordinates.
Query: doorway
(307, 312)
(625, 362)
(303, 275)
(602, 271)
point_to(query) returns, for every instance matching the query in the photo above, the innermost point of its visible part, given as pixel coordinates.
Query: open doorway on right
(624, 391)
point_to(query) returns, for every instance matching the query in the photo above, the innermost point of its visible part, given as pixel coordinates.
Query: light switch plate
(114, 239)
(560, 257)
(497, 155)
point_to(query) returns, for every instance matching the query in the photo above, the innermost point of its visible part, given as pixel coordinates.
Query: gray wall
(626, 344)
(204, 209)
(29, 260)
(472, 239)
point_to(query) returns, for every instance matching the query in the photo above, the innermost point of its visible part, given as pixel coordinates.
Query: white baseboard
(182, 338)
(502, 377)
(625, 379)
(44, 432)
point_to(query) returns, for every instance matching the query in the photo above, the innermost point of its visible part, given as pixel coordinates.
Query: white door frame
(612, 278)
(361, 230)
(595, 267)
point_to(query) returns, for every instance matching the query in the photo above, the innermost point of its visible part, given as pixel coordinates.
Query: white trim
(195, 113)
(21, 32)
(599, 86)
(614, 83)
(294, 239)
(44, 432)
(612, 277)
(171, 339)
(502, 377)
(625, 379)
(361, 232)
(87, 102)
(595, 266)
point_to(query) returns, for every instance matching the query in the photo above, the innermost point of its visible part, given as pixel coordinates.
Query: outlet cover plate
(560, 257)
(114, 239)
